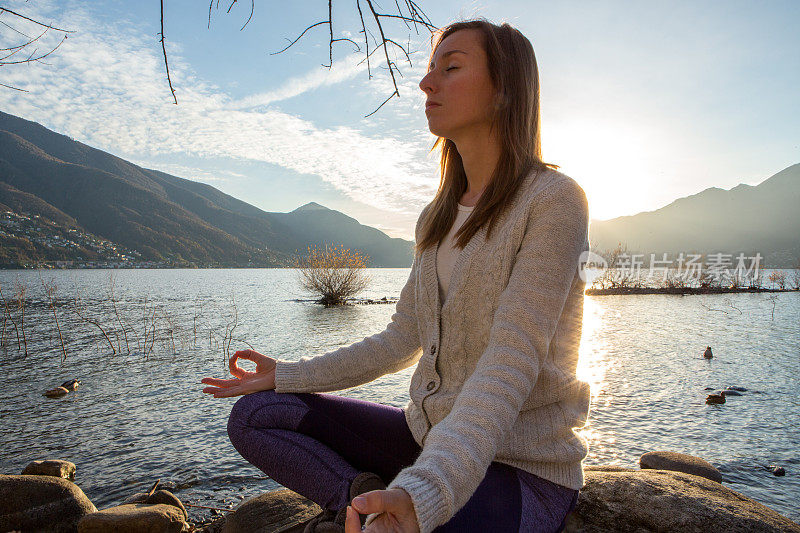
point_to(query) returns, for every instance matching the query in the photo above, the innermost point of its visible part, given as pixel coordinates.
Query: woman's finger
(220, 382)
(229, 392)
(252, 355)
(234, 367)
(352, 523)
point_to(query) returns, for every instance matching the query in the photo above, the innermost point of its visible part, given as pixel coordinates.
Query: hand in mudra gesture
(396, 510)
(244, 382)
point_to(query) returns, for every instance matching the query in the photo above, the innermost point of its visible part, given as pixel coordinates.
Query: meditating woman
(490, 315)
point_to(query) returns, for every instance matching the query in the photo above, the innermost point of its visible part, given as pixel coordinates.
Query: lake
(141, 416)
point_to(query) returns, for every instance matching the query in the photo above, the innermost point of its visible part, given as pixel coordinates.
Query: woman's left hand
(396, 512)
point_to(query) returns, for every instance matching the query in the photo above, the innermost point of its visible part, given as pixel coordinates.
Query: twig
(164, 50)
(207, 507)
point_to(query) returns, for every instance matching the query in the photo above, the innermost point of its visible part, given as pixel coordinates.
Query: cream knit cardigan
(496, 365)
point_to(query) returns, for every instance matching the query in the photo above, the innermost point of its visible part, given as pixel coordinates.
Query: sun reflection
(592, 360)
(593, 365)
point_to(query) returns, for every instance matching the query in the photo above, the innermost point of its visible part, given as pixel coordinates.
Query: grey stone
(51, 467)
(608, 468)
(41, 503)
(159, 496)
(730, 392)
(680, 462)
(135, 518)
(280, 511)
(650, 501)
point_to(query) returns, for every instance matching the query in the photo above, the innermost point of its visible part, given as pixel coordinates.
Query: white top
(447, 254)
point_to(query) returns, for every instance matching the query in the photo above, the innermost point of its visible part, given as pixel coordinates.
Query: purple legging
(316, 444)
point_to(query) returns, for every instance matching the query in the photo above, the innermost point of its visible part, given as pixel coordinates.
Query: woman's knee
(243, 409)
(264, 409)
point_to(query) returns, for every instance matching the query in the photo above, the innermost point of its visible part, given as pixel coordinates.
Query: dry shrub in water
(333, 273)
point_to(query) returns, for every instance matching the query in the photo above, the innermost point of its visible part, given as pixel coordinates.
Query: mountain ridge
(751, 219)
(168, 217)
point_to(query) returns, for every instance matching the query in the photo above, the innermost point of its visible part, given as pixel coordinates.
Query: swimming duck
(55, 393)
(71, 384)
(715, 398)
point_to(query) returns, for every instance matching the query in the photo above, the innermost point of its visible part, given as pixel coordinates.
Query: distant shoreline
(680, 291)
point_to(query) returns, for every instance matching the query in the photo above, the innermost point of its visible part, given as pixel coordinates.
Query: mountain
(161, 216)
(764, 218)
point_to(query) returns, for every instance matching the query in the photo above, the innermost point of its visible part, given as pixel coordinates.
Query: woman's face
(458, 86)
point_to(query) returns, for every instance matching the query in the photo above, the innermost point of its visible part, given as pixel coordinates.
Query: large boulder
(135, 518)
(51, 467)
(680, 462)
(645, 501)
(281, 510)
(41, 503)
(159, 496)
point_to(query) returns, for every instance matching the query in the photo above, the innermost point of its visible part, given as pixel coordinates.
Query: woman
(487, 441)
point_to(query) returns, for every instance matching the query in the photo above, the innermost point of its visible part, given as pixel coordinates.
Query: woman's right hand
(244, 382)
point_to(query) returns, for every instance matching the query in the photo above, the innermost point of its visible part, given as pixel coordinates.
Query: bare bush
(618, 274)
(80, 309)
(49, 288)
(778, 277)
(332, 273)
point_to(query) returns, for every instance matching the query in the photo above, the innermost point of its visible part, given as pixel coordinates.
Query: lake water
(142, 416)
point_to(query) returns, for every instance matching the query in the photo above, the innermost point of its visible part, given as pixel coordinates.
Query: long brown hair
(514, 74)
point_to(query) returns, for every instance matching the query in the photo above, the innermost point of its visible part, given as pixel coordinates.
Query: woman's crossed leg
(316, 444)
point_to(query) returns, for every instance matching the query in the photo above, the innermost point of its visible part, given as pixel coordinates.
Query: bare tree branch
(164, 49)
(298, 37)
(252, 9)
(6, 10)
(408, 12)
(26, 51)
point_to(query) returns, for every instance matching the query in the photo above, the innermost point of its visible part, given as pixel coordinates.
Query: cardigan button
(433, 349)
(431, 385)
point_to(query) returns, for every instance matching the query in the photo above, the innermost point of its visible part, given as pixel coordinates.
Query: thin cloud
(341, 70)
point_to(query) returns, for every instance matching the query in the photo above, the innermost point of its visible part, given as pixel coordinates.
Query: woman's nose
(425, 84)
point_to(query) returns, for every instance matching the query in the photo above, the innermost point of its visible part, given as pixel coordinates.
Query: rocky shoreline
(671, 492)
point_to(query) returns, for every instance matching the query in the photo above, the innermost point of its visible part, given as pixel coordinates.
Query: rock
(41, 503)
(281, 510)
(715, 398)
(51, 467)
(680, 462)
(212, 526)
(71, 384)
(727, 392)
(737, 389)
(57, 392)
(646, 501)
(777, 470)
(709, 388)
(159, 496)
(707, 354)
(135, 518)
(608, 468)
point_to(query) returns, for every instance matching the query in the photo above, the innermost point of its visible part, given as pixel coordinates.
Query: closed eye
(450, 68)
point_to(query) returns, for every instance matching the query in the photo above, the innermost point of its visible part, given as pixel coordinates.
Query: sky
(642, 102)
